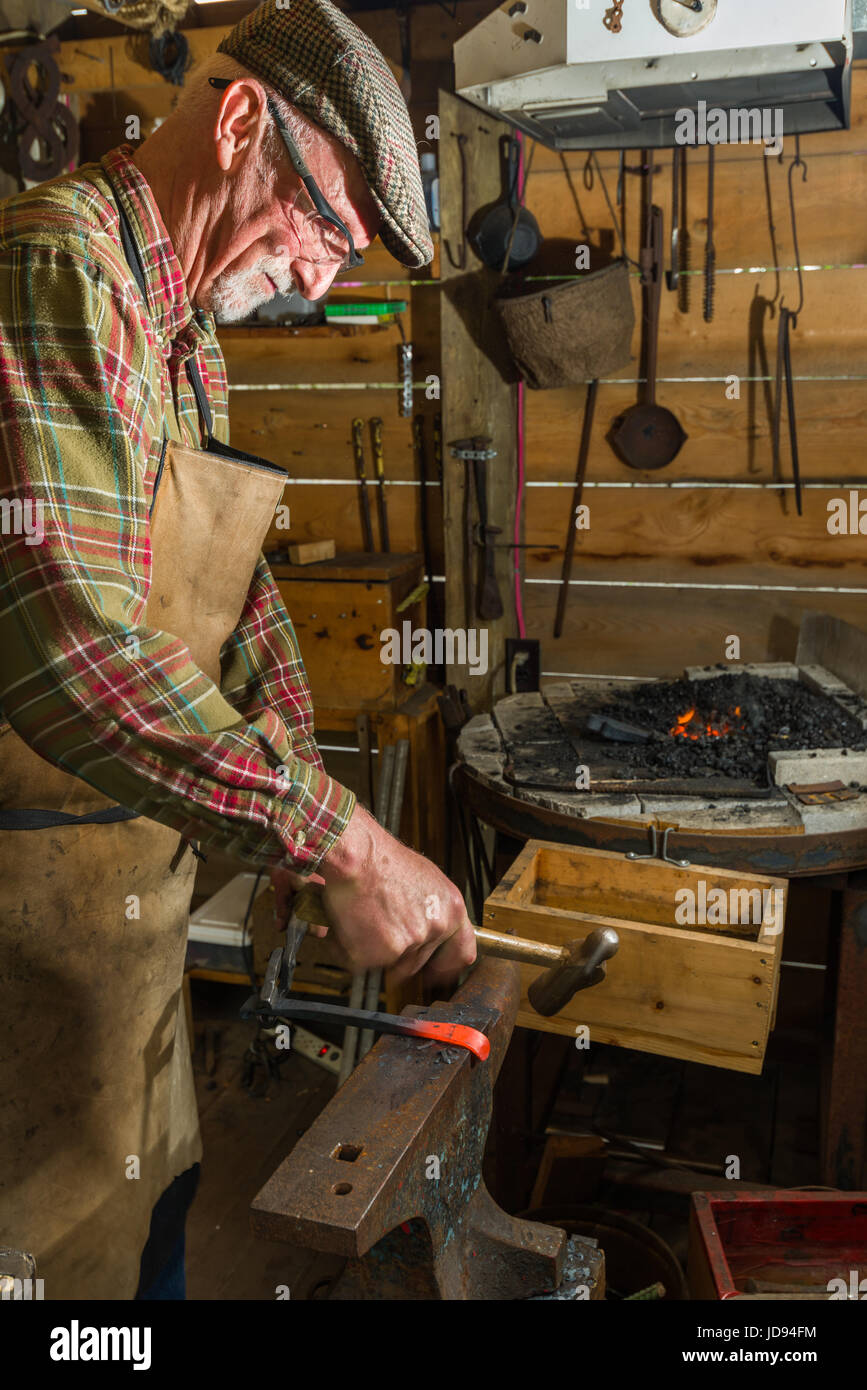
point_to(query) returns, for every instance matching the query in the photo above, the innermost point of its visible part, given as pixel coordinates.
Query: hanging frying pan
(648, 436)
(491, 227)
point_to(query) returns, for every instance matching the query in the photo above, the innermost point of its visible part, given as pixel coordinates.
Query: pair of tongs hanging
(788, 320)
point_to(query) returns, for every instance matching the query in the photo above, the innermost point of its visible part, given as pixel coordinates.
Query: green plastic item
(366, 307)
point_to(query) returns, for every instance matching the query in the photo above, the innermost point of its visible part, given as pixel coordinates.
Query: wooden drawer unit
(706, 993)
(339, 608)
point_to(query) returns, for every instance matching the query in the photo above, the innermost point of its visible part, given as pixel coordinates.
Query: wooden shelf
(299, 330)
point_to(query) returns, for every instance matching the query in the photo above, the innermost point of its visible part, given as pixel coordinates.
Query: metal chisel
(379, 469)
(358, 449)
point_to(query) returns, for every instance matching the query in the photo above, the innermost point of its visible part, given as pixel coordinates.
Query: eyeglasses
(341, 247)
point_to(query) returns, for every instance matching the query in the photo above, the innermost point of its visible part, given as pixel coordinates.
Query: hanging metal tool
(647, 435)
(710, 248)
(402, 14)
(677, 276)
(504, 235)
(438, 446)
(788, 320)
(459, 261)
(684, 240)
(49, 125)
(435, 596)
(170, 57)
(672, 275)
(379, 469)
(488, 603)
(364, 500)
(580, 474)
(404, 369)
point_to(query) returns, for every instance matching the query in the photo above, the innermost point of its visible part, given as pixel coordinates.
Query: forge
(710, 732)
(762, 766)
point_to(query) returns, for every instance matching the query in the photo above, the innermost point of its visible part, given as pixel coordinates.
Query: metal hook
(659, 852)
(461, 262)
(796, 163)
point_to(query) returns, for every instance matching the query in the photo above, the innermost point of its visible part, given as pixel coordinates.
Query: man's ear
(239, 122)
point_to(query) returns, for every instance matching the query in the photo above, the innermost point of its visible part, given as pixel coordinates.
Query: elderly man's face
(272, 242)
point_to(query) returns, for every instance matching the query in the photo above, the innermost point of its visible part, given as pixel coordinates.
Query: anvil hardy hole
(348, 1153)
(340, 1189)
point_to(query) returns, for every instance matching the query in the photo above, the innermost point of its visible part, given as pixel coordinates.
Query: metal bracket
(404, 364)
(663, 850)
(461, 449)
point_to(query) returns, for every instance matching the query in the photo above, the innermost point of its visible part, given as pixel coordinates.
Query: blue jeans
(161, 1274)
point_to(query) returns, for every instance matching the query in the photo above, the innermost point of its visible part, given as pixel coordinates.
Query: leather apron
(97, 1104)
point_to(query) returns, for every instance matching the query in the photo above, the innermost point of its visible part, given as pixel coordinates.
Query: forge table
(776, 834)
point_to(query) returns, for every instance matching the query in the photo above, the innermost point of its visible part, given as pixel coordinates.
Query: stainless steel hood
(553, 69)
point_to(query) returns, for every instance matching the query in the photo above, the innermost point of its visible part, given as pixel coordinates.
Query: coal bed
(723, 726)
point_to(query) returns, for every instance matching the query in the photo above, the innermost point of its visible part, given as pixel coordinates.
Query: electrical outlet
(324, 1054)
(522, 664)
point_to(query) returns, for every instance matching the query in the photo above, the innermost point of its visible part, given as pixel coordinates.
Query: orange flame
(690, 726)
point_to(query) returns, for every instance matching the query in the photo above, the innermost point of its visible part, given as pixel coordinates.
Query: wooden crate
(778, 1245)
(339, 608)
(702, 993)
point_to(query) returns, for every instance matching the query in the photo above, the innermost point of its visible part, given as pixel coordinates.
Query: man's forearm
(162, 741)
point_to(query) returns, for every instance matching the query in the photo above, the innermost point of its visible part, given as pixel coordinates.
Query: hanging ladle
(647, 435)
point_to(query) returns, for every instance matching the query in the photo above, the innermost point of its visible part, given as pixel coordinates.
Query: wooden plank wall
(477, 401)
(676, 561)
(673, 562)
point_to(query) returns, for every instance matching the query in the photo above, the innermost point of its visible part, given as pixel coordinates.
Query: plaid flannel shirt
(86, 379)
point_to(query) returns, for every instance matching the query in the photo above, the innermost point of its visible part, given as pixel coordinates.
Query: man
(151, 685)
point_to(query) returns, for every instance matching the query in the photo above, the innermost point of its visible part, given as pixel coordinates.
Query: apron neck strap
(134, 262)
(201, 399)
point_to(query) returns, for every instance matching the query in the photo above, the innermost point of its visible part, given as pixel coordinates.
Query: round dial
(683, 18)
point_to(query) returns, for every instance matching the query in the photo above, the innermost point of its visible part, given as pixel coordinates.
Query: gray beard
(236, 294)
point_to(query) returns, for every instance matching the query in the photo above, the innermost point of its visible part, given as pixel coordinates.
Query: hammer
(573, 967)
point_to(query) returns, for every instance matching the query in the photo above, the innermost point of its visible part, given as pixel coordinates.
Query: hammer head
(584, 966)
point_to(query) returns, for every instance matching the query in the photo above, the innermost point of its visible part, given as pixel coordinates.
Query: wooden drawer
(339, 610)
(706, 993)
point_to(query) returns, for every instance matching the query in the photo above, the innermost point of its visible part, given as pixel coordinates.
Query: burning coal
(722, 726)
(692, 725)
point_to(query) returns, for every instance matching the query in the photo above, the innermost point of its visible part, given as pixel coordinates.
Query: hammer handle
(494, 943)
(309, 907)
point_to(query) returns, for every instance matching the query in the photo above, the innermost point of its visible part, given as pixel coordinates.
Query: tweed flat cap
(318, 60)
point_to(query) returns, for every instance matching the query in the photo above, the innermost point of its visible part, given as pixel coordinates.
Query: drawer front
(339, 628)
(705, 991)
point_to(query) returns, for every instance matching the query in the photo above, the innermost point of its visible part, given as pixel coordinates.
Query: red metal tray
(778, 1240)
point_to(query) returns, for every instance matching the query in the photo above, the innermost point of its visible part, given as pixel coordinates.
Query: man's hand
(392, 907)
